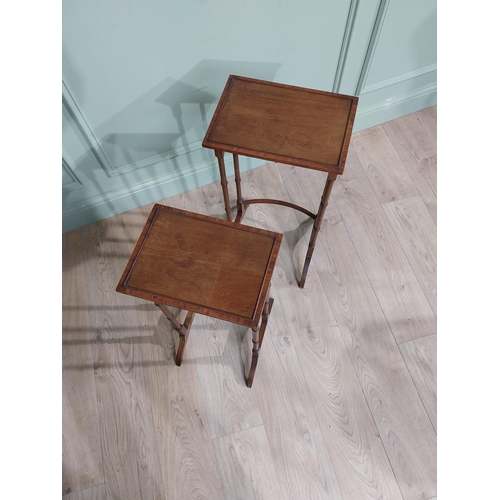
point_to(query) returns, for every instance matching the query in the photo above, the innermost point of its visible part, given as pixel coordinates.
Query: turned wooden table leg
(223, 180)
(257, 338)
(317, 226)
(255, 356)
(183, 330)
(239, 197)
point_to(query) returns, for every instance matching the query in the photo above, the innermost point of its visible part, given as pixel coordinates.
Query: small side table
(204, 265)
(286, 124)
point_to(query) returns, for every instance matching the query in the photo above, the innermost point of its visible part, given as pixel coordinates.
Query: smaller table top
(283, 123)
(202, 264)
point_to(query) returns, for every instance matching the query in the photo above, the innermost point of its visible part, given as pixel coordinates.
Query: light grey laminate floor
(344, 399)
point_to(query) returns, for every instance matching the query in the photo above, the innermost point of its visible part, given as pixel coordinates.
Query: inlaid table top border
(335, 167)
(253, 321)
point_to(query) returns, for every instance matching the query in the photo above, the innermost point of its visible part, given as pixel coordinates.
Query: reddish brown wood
(283, 123)
(203, 265)
(183, 330)
(223, 181)
(245, 203)
(265, 317)
(257, 338)
(286, 124)
(239, 197)
(317, 226)
(183, 338)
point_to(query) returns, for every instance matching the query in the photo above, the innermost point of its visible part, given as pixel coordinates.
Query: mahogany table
(286, 124)
(204, 265)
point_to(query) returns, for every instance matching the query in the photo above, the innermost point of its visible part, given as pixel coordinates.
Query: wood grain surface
(95, 493)
(225, 347)
(417, 151)
(385, 263)
(382, 165)
(129, 446)
(181, 423)
(417, 235)
(421, 359)
(283, 123)
(405, 429)
(344, 414)
(343, 405)
(245, 465)
(81, 440)
(213, 267)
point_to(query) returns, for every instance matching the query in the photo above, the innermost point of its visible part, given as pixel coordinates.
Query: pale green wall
(141, 80)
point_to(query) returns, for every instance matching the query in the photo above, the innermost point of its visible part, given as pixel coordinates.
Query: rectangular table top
(202, 264)
(283, 123)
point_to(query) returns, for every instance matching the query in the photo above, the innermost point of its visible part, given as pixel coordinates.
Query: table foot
(302, 281)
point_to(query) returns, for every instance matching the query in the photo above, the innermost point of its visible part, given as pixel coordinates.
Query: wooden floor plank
(95, 493)
(222, 352)
(405, 429)
(81, 454)
(417, 234)
(246, 466)
(186, 452)
(131, 463)
(394, 282)
(421, 358)
(418, 154)
(130, 450)
(382, 165)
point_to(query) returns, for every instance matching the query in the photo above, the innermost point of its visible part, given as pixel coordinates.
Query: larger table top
(283, 123)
